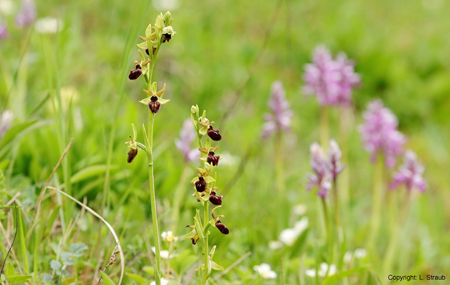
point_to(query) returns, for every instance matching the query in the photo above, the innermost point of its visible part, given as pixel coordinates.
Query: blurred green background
(401, 52)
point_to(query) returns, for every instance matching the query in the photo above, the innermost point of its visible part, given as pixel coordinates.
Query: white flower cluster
(324, 270)
(264, 270)
(359, 253)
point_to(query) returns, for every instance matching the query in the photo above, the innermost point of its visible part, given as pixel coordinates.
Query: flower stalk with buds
(206, 193)
(155, 36)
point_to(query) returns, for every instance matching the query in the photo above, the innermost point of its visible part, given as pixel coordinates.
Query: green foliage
(209, 58)
(107, 279)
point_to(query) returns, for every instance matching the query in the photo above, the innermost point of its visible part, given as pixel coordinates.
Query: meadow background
(74, 84)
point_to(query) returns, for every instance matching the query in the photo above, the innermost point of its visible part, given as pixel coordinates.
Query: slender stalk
(279, 164)
(325, 216)
(324, 127)
(336, 203)
(151, 120)
(396, 233)
(377, 199)
(205, 246)
(179, 196)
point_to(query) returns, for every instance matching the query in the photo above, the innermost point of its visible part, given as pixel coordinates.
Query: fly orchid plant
(155, 36)
(205, 193)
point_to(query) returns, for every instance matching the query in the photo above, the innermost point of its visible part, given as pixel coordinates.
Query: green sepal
(141, 55)
(163, 101)
(194, 122)
(203, 131)
(209, 179)
(207, 143)
(216, 266)
(190, 235)
(209, 266)
(134, 131)
(145, 135)
(168, 19)
(215, 208)
(195, 179)
(143, 45)
(198, 225)
(154, 87)
(145, 101)
(148, 31)
(213, 250)
(208, 167)
(141, 146)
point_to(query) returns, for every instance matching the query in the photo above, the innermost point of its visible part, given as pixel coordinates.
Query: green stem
(396, 233)
(324, 127)
(151, 120)
(279, 164)
(328, 233)
(377, 199)
(325, 216)
(336, 203)
(205, 246)
(179, 197)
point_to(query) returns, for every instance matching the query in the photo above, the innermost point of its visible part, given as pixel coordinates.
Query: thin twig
(122, 258)
(240, 169)
(229, 268)
(14, 239)
(112, 259)
(12, 200)
(243, 84)
(12, 250)
(281, 264)
(41, 195)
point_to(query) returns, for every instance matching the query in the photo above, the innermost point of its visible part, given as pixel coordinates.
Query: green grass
(400, 52)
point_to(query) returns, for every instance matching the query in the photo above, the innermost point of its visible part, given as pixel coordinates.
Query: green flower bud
(168, 19)
(194, 110)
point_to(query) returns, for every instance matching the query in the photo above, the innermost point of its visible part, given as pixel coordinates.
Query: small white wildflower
(6, 7)
(264, 270)
(164, 253)
(163, 282)
(301, 225)
(229, 160)
(288, 236)
(6, 119)
(48, 25)
(348, 257)
(165, 5)
(310, 272)
(324, 267)
(274, 245)
(169, 237)
(360, 253)
(299, 209)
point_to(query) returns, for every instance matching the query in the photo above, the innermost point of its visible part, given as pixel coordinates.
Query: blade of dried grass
(122, 258)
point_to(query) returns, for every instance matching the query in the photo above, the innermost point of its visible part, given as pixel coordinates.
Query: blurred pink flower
(27, 14)
(3, 31)
(319, 165)
(379, 133)
(281, 117)
(331, 81)
(6, 119)
(334, 159)
(410, 173)
(187, 135)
